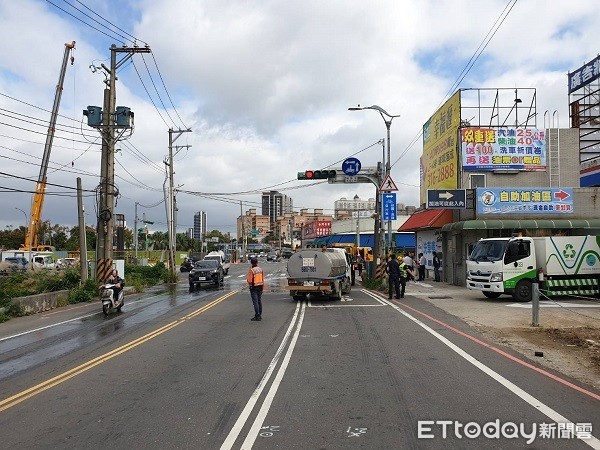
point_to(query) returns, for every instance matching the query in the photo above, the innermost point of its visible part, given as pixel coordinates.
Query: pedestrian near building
(436, 267)
(422, 264)
(394, 275)
(359, 264)
(409, 264)
(405, 274)
(256, 282)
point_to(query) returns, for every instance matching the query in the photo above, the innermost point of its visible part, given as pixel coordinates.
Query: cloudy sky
(265, 87)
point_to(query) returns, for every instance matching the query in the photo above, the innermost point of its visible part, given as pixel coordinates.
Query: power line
(165, 87)
(53, 145)
(141, 184)
(47, 183)
(156, 90)
(148, 93)
(78, 172)
(62, 169)
(141, 156)
(89, 25)
(6, 189)
(44, 123)
(486, 40)
(110, 23)
(40, 132)
(36, 107)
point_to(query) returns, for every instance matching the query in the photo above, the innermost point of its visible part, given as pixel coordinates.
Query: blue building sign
(389, 206)
(524, 201)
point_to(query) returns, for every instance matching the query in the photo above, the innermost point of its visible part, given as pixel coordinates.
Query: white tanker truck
(321, 272)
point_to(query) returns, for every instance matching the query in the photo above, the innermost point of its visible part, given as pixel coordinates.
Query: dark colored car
(272, 257)
(206, 271)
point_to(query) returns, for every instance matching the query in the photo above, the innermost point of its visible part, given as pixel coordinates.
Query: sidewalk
(568, 335)
(503, 312)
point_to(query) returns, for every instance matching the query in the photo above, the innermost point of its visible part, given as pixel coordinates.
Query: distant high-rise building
(276, 204)
(199, 225)
(345, 208)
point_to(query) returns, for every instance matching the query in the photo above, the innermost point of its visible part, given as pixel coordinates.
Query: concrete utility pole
(82, 234)
(171, 208)
(111, 121)
(135, 232)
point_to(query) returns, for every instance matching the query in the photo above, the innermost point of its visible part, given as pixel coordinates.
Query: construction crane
(31, 238)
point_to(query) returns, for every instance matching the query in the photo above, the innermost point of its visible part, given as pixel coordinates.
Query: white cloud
(265, 87)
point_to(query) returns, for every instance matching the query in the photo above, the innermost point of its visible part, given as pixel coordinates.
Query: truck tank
(315, 264)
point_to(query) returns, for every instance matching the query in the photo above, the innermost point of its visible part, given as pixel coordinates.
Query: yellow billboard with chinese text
(439, 162)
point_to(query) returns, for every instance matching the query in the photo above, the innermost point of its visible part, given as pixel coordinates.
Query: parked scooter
(107, 296)
(186, 266)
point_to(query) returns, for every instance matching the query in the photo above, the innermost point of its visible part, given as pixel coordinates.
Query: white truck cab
(564, 264)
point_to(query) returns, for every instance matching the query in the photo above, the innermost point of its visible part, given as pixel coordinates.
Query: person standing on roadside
(359, 264)
(409, 264)
(436, 267)
(256, 282)
(405, 275)
(393, 270)
(422, 264)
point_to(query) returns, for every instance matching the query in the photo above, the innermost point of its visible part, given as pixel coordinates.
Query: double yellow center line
(39, 388)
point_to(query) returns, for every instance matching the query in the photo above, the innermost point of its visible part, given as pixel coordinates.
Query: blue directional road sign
(446, 199)
(351, 166)
(389, 206)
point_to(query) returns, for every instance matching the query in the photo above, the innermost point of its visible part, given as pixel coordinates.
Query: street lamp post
(26, 227)
(388, 167)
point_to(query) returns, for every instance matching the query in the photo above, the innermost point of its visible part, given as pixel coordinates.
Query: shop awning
(500, 224)
(427, 219)
(401, 240)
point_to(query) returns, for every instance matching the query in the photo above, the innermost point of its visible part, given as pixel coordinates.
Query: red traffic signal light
(317, 174)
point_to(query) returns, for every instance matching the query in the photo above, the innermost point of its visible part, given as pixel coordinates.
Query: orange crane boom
(31, 238)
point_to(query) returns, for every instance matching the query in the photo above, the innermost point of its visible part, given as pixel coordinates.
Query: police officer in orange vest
(256, 281)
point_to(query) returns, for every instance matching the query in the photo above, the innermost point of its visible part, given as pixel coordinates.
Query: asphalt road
(188, 369)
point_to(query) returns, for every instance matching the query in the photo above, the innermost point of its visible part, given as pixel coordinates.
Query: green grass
(40, 281)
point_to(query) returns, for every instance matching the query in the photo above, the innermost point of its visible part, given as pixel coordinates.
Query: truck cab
(222, 258)
(502, 266)
(564, 265)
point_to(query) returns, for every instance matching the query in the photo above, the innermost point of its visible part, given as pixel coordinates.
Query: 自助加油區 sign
(524, 200)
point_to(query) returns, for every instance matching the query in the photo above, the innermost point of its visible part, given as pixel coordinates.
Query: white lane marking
(240, 276)
(262, 413)
(341, 306)
(46, 327)
(65, 321)
(537, 404)
(239, 423)
(380, 301)
(57, 311)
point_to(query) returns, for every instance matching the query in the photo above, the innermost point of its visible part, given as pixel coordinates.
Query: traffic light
(317, 174)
